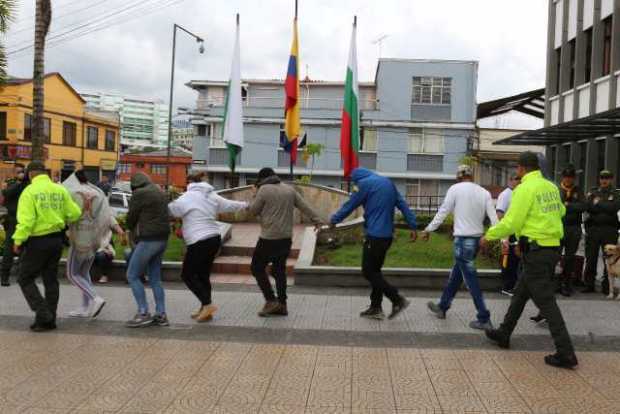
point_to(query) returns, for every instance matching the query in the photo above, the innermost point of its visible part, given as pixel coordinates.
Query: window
(425, 141)
(110, 141)
(432, 91)
(93, 137)
(217, 136)
(203, 130)
(588, 58)
(47, 130)
(27, 127)
(158, 169)
(124, 168)
(572, 48)
(600, 154)
(566, 156)
(368, 137)
(3, 125)
(607, 26)
(69, 133)
(558, 69)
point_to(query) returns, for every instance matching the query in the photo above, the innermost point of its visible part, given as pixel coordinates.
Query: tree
(7, 7)
(312, 151)
(43, 18)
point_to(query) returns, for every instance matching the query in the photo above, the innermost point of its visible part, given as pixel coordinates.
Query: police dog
(612, 261)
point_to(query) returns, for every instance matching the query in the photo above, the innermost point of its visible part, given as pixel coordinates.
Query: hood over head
(272, 179)
(201, 187)
(360, 174)
(140, 180)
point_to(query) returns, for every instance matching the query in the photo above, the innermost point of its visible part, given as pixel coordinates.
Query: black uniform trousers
(536, 283)
(596, 239)
(40, 257)
(570, 244)
(510, 272)
(10, 222)
(275, 252)
(373, 257)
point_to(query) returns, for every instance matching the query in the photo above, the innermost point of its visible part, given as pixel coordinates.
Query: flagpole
(290, 153)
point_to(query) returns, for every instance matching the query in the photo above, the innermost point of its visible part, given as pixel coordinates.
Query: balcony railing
(278, 103)
(424, 162)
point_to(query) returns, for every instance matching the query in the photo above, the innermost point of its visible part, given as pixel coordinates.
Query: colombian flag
(292, 122)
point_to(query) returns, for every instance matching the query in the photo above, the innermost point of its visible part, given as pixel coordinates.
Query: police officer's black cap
(36, 166)
(529, 160)
(569, 171)
(606, 174)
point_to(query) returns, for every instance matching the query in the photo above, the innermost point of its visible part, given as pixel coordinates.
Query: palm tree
(43, 18)
(7, 7)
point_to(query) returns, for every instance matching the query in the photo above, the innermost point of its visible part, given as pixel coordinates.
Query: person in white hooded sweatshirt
(198, 208)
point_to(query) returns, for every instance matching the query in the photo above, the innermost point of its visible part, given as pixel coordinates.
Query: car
(119, 202)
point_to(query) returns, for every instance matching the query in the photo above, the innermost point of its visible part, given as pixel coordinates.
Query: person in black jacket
(603, 203)
(574, 200)
(148, 221)
(13, 189)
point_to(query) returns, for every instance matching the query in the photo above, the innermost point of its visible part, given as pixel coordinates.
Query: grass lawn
(436, 253)
(174, 251)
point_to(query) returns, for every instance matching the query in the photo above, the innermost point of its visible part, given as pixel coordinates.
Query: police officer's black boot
(560, 361)
(4, 280)
(565, 289)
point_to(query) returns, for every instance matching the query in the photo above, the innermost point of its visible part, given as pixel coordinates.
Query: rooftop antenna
(379, 42)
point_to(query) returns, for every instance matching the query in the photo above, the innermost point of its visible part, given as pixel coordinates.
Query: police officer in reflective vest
(43, 211)
(601, 226)
(535, 216)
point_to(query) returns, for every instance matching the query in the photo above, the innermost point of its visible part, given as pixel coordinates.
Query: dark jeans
(465, 252)
(570, 244)
(373, 257)
(197, 265)
(7, 254)
(275, 252)
(104, 262)
(40, 258)
(536, 283)
(510, 272)
(596, 239)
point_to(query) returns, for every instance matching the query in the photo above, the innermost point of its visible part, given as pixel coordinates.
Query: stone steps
(241, 265)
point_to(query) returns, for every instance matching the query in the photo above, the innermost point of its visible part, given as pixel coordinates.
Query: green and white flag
(233, 112)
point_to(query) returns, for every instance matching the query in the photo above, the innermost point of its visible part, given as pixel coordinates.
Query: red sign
(14, 152)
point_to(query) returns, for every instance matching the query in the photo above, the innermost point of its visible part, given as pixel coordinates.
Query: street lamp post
(201, 49)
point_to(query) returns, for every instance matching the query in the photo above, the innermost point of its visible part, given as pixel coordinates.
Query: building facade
(76, 137)
(583, 75)
(183, 133)
(156, 164)
(144, 122)
(417, 123)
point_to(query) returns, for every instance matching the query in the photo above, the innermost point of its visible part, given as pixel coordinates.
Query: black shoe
(43, 326)
(588, 289)
(5, 283)
(373, 313)
(508, 292)
(495, 336)
(566, 291)
(537, 319)
(398, 307)
(605, 287)
(558, 361)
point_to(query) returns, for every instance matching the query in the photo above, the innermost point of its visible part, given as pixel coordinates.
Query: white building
(144, 122)
(182, 133)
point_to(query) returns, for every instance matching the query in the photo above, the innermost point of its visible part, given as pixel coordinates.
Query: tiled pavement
(240, 363)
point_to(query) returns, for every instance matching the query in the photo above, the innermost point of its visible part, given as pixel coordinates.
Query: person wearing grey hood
(148, 221)
(198, 208)
(274, 204)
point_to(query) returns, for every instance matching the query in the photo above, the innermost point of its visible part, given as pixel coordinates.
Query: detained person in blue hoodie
(379, 197)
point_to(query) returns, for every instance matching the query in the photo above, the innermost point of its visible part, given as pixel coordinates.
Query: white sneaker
(98, 304)
(79, 313)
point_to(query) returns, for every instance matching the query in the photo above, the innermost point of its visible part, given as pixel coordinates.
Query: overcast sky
(507, 37)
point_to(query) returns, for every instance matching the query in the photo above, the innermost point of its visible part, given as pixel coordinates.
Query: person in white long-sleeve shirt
(470, 204)
(198, 208)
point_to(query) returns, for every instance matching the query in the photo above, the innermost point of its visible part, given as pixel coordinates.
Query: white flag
(233, 113)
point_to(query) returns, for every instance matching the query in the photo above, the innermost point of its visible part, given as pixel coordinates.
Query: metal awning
(530, 103)
(595, 126)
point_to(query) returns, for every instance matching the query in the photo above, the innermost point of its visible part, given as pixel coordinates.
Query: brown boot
(270, 308)
(206, 314)
(281, 311)
(196, 312)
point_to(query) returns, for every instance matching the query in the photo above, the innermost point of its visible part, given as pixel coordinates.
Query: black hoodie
(147, 217)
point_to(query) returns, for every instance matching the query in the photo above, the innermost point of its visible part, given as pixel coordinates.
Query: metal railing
(278, 102)
(428, 205)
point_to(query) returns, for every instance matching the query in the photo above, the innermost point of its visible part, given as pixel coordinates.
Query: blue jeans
(146, 258)
(465, 252)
